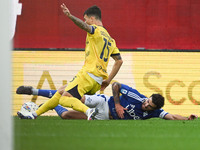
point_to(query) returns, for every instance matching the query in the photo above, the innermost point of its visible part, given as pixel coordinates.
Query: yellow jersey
(99, 47)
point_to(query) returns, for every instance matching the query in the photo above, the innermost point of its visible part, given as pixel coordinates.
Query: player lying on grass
(130, 105)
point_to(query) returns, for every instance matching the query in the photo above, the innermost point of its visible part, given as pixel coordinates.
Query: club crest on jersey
(123, 91)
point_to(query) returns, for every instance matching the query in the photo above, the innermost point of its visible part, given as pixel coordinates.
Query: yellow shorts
(82, 84)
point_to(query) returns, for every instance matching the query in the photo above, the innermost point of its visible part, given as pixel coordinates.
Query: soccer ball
(29, 106)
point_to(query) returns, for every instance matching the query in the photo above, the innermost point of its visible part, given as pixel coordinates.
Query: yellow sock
(74, 103)
(50, 104)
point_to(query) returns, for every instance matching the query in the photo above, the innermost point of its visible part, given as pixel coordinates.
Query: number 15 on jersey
(105, 48)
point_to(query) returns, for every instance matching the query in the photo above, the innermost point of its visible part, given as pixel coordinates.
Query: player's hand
(192, 117)
(104, 84)
(65, 10)
(120, 110)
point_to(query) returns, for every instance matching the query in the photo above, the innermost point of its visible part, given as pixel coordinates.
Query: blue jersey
(133, 100)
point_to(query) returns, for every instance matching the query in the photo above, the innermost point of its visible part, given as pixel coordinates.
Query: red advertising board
(150, 24)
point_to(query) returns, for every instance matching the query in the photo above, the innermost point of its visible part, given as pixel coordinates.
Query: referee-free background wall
(150, 24)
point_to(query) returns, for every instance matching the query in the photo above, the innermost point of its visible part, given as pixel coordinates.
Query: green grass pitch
(53, 133)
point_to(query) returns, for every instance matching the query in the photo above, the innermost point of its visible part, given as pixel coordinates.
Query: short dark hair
(93, 11)
(158, 100)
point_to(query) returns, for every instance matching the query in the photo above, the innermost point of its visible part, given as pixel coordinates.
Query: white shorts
(99, 101)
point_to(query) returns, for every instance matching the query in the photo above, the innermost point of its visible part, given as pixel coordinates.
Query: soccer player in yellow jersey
(93, 75)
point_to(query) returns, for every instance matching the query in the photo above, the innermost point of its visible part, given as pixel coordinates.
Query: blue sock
(59, 109)
(46, 93)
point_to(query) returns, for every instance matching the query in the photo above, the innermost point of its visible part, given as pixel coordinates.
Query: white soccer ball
(29, 106)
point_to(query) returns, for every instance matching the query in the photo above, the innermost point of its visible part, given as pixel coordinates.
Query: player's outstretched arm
(179, 117)
(116, 91)
(117, 65)
(76, 20)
